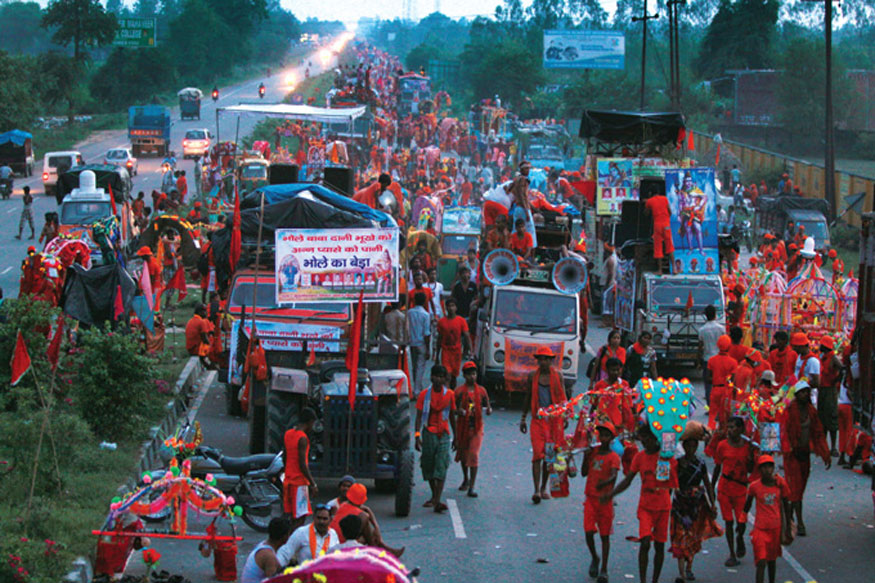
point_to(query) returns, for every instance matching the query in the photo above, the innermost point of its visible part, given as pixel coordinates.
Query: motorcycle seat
(239, 466)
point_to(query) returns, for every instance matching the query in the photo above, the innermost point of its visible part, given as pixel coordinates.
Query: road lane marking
(7, 270)
(10, 211)
(458, 527)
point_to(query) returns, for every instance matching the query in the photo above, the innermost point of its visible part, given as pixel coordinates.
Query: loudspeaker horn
(569, 275)
(500, 267)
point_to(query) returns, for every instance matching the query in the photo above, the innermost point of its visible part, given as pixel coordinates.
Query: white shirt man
(317, 536)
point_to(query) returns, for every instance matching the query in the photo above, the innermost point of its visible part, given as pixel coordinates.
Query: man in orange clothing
(451, 329)
(369, 530)
(197, 332)
(782, 360)
(737, 350)
(437, 405)
(719, 368)
(521, 241)
(298, 483)
(370, 195)
(545, 386)
(657, 206)
(838, 266)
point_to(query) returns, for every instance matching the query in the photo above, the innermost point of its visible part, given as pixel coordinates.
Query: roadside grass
(68, 135)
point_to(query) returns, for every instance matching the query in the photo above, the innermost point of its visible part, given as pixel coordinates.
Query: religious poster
(520, 361)
(335, 265)
(624, 313)
(462, 220)
(692, 197)
(614, 184)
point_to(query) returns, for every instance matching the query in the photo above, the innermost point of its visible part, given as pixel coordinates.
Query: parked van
(55, 164)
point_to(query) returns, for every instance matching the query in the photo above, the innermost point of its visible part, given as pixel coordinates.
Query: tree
(17, 104)
(20, 30)
(739, 37)
(80, 23)
(418, 58)
(510, 70)
(132, 76)
(59, 77)
(146, 7)
(202, 43)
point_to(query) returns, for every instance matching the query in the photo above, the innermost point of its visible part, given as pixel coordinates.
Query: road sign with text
(135, 33)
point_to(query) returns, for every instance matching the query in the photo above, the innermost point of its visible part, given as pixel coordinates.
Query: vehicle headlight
(381, 426)
(566, 362)
(499, 356)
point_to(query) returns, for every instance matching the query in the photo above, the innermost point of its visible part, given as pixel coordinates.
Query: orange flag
(352, 351)
(20, 360)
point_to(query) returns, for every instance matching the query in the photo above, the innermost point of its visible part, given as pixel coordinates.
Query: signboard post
(334, 265)
(584, 49)
(135, 33)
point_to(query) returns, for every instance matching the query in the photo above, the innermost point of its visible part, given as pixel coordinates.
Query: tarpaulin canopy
(191, 93)
(288, 111)
(17, 137)
(89, 294)
(623, 127)
(792, 202)
(279, 192)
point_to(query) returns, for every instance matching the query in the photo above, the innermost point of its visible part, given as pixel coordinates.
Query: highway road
(96, 145)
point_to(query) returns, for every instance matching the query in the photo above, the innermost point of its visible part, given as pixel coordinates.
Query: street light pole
(675, 51)
(829, 155)
(644, 20)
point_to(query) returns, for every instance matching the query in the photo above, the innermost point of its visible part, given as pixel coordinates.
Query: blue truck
(149, 129)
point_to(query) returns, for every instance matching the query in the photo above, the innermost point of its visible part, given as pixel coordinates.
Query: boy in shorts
(600, 467)
(438, 406)
(773, 508)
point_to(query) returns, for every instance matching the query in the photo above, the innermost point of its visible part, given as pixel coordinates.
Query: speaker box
(339, 179)
(634, 223)
(282, 173)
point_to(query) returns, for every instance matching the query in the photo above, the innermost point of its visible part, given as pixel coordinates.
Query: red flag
(177, 282)
(112, 200)
(54, 350)
(118, 306)
(352, 351)
(20, 360)
(717, 157)
(691, 144)
(690, 301)
(236, 237)
(311, 360)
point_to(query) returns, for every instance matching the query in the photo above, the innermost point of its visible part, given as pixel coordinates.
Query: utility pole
(644, 20)
(829, 186)
(674, 51)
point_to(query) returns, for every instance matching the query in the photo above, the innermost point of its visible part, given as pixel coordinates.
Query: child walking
(471, 398)
(771, 493)
(600, 467)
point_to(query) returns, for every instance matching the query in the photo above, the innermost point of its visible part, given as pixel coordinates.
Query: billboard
(584, 49)
(135, 33)
(335, 265)
(693, 200)
(614, 185)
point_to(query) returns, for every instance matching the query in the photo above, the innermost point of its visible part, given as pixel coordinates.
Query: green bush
(114, 387)
(844, 236)
(26, 560)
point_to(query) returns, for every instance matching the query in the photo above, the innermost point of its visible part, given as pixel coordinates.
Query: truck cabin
(518, 308)
(815, 225)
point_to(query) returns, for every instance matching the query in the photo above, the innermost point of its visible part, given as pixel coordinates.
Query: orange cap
(544, 351)
(828, 342)
(723, 343)
(765, 459)
(832, 253)
(144, 251)
(768, 236)
(798, 339)
(469, 365)
(607, 425)
(357, 494)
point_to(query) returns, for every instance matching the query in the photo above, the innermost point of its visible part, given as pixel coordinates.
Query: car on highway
(197, 142)
(124, 158)
(55, 164)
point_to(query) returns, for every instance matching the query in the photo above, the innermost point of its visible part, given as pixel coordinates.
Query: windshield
(254, 171)
(58, 161)
(266, 298)
(816, 229)
(117, 155)
(458, 244)
(84, 213)
(549, 152)
(672, 295)
(523, 310)
(196, 135)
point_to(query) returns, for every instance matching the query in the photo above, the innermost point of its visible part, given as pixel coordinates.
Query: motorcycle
(6, 188)
(254, 481)
(741, 233)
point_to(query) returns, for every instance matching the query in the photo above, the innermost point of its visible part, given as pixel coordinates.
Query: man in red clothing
(838, 266)
(182, 186)
(471, 399)
(298, 483)
(657, 207)
(719, 368)
(419, 288)
(521, 241)
(654, 502)
(600, 467)
(801, 434)
(611, 399)
(734, 459)
(370, 195)
(438, 405)
(771, 493)
(782, 360)
(545, 386)
(737, 350)
(451, 329)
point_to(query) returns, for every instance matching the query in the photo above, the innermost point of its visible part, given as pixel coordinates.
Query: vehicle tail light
(130, 163)
(45, 176)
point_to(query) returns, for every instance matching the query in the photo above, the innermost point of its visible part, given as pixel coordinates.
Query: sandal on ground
(594, 569)
(545, 495)
(740, 549)
(603, 578)
(428, 504)
(463, 487)
(800, 530)
(679, 580)
(536, 499)
(732, 562)
(472, 494)
(440, 507)
(689, 575)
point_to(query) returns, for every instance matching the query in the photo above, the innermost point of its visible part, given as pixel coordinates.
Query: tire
(259, 520)
(404, 493)
(256, 428)
(162, 514)
(232, 403)
(282, 415)
(395, 416)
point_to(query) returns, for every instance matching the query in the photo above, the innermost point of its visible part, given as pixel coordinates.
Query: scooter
(254, 481)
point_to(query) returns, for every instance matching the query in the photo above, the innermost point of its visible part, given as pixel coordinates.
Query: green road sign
(135, 32)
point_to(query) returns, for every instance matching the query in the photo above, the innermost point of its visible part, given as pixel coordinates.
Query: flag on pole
(177, 282)
(311, 360)
(352, 351)
(118, 306)
(146, 285)
(53, 352)
(236, 236)
(112, 200)
(690, 303)
(20, 360)
(691, 143)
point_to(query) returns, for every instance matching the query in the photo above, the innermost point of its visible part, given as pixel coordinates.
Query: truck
(84, 208)
(149, 129)
(775, 212)
(527, 307)
(190, 103)
(16, 151)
